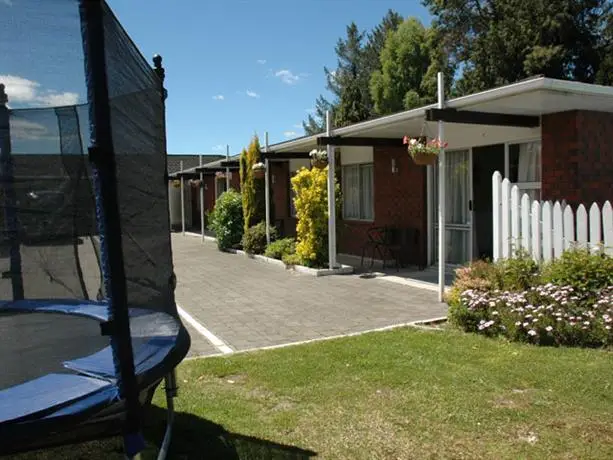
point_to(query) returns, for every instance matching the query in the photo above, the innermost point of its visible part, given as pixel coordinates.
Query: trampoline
(88, 322)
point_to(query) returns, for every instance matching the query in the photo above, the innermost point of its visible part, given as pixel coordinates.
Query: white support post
(182, 201)
(267, 189)
(441, 195)
(430, 210)
(200, 162)
(331, 196)
(227, 167)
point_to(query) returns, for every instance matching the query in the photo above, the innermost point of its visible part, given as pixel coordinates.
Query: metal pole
(182, 201)
(331, 196)
(170, 379)
(10, 198)
(200, 162)
(227, 167)
(267, 189)
(102, 157)
(441, 195)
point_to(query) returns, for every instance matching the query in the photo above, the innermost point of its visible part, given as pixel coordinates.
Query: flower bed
(566, 302)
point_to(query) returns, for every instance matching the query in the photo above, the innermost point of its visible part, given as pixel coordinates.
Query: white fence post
(557, 230)
(506, 219)
(547, 231)
(569, 227)
(525, 223)
(581, 226)
(515, 216)
(607, 225)
(595, 238)
(537, 234)
(497, 214)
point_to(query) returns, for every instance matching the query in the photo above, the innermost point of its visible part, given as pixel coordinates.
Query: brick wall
(400, 200)
(577, 157)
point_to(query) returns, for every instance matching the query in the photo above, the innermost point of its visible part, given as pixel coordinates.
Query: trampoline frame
(117, 325)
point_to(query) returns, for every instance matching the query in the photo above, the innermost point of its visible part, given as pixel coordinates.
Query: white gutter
(575, 87)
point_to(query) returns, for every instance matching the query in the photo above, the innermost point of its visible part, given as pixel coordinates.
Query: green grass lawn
(401, 394)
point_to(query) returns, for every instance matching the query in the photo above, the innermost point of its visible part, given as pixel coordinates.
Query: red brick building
(553, 138)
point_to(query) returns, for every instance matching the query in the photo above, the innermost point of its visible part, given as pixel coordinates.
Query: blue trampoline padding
(148, 353)
(52, 391)
(95, 310)
(89, 308)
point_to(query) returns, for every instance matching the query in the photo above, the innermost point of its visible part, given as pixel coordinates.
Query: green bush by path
(254, 239)
(280, 248)
(226, 220)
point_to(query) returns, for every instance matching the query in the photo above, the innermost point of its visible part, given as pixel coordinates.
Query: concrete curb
(342, 270)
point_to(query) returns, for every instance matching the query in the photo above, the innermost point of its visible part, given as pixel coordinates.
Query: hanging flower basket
(259, 170)
(176, 183)
(195, 182)
(222, 175)
(424, 152)
(319, 158)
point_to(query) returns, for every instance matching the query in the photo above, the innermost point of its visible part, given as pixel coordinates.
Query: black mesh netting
(50, 245)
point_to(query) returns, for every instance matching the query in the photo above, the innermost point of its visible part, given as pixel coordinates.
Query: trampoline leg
(171, 393)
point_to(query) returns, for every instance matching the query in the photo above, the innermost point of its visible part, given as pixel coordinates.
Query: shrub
(292, 259)
(568, 301)
(226, 219)
(253, 190)
(280, 248)
(582, 269)
(545, 314)
(311, 202)
(254, 239)
(518, 273)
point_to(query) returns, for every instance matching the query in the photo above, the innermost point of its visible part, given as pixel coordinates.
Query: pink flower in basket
(422, 146)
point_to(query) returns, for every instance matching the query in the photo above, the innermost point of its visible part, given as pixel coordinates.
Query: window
(358, 192)
(525, 168)
(220, 186)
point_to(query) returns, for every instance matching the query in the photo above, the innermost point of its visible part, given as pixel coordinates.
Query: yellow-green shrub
(311, 203)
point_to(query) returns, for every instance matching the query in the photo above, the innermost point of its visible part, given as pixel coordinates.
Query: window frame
(359, 167)
(525, 186)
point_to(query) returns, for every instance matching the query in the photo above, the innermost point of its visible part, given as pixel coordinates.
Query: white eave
(535, 96)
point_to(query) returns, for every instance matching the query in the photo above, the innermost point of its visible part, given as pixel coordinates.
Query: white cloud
(218, 97)
(289, 133)
(218, 148)
(252, 94)
(297, 126)
(22, 90)
(28, 130)
(287, 77)
(6, 2)
(261, 61)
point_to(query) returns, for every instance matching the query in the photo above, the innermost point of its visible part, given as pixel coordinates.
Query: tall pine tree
(499, 42)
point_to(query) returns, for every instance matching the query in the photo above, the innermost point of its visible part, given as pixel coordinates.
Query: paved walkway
(247, 304)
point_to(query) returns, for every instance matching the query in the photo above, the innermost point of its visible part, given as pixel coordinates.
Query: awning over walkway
(533, 97)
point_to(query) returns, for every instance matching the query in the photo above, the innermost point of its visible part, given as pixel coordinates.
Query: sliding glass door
(458, 213)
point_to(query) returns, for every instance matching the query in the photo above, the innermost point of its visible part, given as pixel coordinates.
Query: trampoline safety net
(62, 348)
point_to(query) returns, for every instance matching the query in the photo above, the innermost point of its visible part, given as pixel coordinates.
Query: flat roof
(535, 96)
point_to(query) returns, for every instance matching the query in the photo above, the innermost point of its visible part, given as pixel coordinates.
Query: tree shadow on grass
(194, 437)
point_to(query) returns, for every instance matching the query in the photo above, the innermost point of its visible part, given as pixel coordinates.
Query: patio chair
(384, 241)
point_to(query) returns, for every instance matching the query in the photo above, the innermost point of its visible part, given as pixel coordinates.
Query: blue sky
(264, 57)
(233, 67)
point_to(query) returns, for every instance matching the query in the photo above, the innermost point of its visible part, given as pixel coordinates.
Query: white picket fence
(545, 229)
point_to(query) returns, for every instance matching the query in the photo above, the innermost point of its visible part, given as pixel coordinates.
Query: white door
(458, 212)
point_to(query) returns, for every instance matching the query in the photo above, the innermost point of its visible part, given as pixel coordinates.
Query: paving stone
(248, 303)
